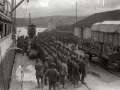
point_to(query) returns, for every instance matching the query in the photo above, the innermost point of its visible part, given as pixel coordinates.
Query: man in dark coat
(63, 73)
(53, 74)
(23, 48)
(76, 74)
(83, 71)
(39, 72)
(46, 67)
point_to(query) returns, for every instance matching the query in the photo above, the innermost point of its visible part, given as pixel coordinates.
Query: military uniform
(83, 71)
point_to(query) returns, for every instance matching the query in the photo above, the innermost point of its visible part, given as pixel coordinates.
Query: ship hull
(6, 68)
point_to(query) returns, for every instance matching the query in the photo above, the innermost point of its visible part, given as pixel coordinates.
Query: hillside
(43, 21)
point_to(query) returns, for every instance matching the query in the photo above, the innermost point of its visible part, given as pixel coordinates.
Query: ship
(31, 28)
(7, 40)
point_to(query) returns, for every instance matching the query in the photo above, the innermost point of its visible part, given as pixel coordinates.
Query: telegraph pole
(15, 16)
(76, 12)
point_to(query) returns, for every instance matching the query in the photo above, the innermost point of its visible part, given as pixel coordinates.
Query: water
(23, 30)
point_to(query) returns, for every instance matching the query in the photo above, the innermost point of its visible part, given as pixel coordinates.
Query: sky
(39, 8)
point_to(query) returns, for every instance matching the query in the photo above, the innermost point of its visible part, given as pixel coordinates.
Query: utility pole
(15, 16)
(76, 12)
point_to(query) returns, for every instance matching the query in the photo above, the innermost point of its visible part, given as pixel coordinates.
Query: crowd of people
(56, 62)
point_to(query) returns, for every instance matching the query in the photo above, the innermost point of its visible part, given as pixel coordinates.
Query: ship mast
(29, 19)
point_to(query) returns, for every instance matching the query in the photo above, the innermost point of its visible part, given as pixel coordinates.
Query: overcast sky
(40, 8)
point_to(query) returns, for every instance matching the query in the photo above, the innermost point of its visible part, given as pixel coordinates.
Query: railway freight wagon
(104, 43)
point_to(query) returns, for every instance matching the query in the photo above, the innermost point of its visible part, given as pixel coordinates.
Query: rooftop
(98, 17)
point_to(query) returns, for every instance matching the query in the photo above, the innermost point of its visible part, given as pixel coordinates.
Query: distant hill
(43, 21)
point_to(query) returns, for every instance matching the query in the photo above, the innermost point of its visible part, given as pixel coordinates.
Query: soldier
(51, 60)
(58, 66)
(39, 72)
(76, 74)
(63, 73)
(53, 74)
(23, 47)
(83, 71)
(73, 68)
(86, 60)
(46, 67)
(69, 67)
(55, 58)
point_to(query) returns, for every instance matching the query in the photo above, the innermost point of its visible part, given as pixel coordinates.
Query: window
(5, 29)
(82, 32)
(10, 28)
(1, 28)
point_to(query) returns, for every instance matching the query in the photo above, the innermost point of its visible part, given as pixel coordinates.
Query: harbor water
(24, 30)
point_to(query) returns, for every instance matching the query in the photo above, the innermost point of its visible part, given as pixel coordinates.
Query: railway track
(114, 72)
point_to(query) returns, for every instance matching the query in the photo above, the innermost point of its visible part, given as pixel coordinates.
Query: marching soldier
(63, 73)
(46, 67)
(76, 74)
(83, 71)
(86, 60)
(53, 74)
(23, 48)
(39, 72)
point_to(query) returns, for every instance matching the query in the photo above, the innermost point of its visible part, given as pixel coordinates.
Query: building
(82, 28)
(51, 25)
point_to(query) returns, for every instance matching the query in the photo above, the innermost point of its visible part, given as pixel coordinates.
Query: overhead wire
(20, 8)
(25, 10)
(24, 13)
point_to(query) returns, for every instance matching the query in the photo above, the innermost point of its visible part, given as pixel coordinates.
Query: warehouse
(82, 28)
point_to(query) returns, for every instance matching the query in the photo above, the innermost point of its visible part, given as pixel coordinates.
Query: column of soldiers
(66, 62)
(22, 43)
